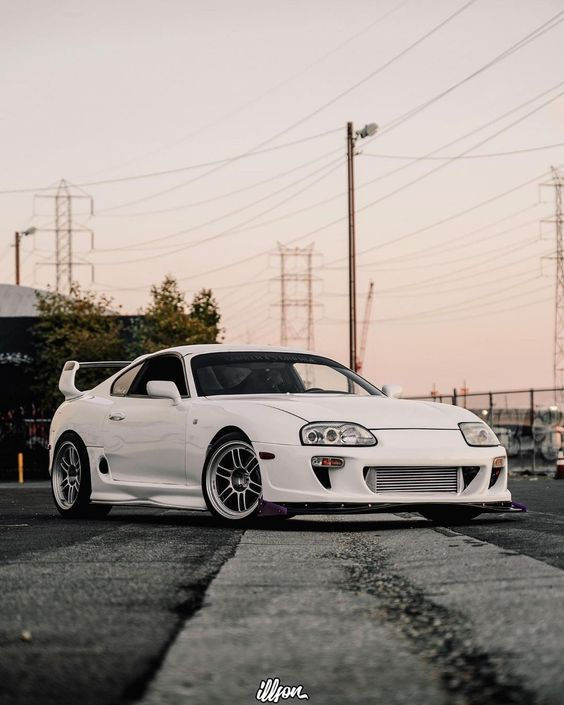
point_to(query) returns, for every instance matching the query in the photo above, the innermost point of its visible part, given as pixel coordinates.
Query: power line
(226, 194)
(278, 85)
(425, 175)
(438, 281)
(470, 303)
(483, 314)
(429, 252)
(325, 170)
(535, 34)
(539, 31)
(433, 291)
(457, 319)
(190, 167)
(450, 161)
(449, 218)
(363, 185)
(307, 117)
(464, 258)
(233, 229)
(453, 308)
(468, 156)
(265, 252)
(453, 241)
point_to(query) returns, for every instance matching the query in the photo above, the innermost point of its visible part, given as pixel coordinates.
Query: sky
(248, 103)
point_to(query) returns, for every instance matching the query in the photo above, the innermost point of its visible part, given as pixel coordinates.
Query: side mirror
(161, 389)
(392, 390)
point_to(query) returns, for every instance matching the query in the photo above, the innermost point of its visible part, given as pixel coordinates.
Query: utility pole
(352, 136)
(557, 183)
(352, 248)
(64, 230)
(296, 293)
(17, 239)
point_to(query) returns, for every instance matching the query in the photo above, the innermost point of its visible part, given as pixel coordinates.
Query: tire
(450, 516)
(231, 481)
(70, 480)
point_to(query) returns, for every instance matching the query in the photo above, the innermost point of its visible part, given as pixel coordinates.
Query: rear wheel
(231, 481)
(450, 516)
(70, 480)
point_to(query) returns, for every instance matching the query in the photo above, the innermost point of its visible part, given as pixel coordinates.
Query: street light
(352, 136)
(18, 236)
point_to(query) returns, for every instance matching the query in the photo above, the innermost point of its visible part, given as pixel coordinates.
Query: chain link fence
(23, 433)
(528, 422)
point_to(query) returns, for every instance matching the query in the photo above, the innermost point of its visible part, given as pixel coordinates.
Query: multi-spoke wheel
(231, 482)
(70, 479)
(66, 475)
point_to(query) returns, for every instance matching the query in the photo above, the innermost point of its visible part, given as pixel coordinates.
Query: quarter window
(121, 385)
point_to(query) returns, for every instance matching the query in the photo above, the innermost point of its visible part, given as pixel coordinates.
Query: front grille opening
(468, 474)
(397, 480)
(322, 474)
(496, 472)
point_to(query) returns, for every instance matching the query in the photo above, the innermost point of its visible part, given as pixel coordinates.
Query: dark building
(22, 428)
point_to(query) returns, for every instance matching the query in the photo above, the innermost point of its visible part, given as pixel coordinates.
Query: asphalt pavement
(168, 607)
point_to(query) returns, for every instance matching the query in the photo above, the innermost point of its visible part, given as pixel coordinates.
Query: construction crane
(365, 325)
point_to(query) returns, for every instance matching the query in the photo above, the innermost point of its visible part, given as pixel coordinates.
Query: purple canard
(270, 509)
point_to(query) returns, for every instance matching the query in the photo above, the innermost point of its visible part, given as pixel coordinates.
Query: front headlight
(336, 434)
(477, 433)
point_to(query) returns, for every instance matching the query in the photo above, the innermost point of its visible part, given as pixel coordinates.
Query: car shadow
(312, 523)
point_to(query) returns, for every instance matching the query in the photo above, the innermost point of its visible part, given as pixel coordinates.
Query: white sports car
(244, 431)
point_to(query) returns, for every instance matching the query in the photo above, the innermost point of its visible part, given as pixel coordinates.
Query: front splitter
(284, 508)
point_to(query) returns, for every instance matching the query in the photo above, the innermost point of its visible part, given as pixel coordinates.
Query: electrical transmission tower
(557, 183)
(64, 229)
(296, 295)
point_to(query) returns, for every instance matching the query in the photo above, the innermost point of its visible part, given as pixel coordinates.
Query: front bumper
(288, 478)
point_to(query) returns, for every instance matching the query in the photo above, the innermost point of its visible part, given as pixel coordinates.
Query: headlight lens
(477, 433)
(336, 434)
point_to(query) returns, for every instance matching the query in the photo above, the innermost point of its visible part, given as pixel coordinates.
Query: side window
(164, 367)
(121, 385)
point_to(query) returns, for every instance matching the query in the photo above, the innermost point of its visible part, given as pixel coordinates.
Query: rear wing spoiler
(71, 367)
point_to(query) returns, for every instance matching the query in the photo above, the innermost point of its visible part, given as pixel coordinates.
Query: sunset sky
(255, 96)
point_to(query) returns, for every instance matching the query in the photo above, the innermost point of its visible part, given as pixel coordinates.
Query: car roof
(228, 347)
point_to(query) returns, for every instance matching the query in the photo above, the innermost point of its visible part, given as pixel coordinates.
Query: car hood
(371, 412)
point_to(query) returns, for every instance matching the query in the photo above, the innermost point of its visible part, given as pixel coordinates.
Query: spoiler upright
(71, 367)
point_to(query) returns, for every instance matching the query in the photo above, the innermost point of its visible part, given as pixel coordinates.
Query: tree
(168, 321)
(79, 326)
(205, 310)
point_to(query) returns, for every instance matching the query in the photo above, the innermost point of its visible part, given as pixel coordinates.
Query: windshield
(275, 373)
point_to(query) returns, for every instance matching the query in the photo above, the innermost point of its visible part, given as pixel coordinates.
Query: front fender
(261, 424)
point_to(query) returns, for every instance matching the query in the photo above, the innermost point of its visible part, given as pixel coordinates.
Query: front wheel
(450, 516)
(70, 480)
(231, 481)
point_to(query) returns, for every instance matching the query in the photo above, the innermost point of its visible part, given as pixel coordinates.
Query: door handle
(116, 416)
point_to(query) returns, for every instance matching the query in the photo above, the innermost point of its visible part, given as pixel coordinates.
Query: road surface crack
(440, 636)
